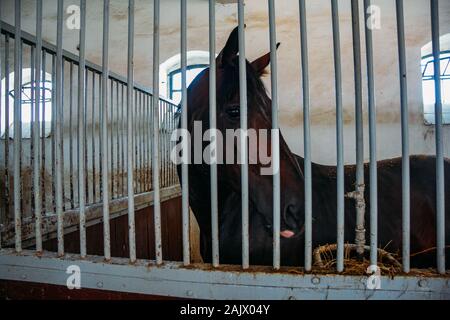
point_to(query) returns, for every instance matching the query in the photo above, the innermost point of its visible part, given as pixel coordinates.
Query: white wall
(418, 34)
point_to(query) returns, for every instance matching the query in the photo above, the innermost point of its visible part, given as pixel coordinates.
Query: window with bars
(428, 87)
(174, 80)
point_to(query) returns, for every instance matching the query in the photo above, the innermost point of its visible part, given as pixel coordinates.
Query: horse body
(324, 195)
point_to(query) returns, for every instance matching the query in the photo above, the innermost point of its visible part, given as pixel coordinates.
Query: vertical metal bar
(372, 139)
(81, 128)
(405, 137)
(7, 124)
(135, 143)
(58, 125)
(93, 135)
(32, 124)
(184, 124)
(360, 237)
(213, 125)
(306, 136)
(275, 142)
(105, 144)
(17, 126)
(5, 212)
(440, 188)
(123, 130)
(61, 149)
(86, 164)
(339, 137)
(43, 130)
(243, 137)
(118, 135)
(141, 144)
(110, 133)
(129, 142)
(53, 136)
(147, 142)
(155, 158)
(36, 131)
(72, 197)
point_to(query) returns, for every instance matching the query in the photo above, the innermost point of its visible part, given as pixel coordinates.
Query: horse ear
(260, 64)
(230, 50)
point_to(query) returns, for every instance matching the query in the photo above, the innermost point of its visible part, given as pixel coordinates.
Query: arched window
(27, 105)
(428, 91)
(174, 80)
(170, 73)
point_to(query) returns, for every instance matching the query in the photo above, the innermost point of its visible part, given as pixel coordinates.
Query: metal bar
(275, 142)
(43, 130)
(372, 139)
(86, 167)
(17, 126)
(58, 127)
(306, 136)
(184, 124)
(61, 149)
(405, 137)
(155, 157)
(81, 128)
(7, 173)
(129, 142)
(141, 144)
(123, 130)
(339, 137)
(110, 133)
(147, 141)
(3, 214)
(93, 135)
(71, 139)
(118, 135)
(105, 144)
(243, 137)
(36, 131)
(440, 187)
(360, 232)
(135, 143)
(212, 126)
(32, 123)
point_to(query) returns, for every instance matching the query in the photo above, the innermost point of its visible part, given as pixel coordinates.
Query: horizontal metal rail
(200, 282)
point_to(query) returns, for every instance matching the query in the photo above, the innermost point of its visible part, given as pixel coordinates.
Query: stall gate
(58, 174)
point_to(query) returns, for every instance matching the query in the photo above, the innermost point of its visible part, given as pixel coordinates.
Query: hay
(388, 263)
(325, 261)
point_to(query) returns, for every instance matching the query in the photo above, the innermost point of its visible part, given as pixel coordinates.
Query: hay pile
(388, 263)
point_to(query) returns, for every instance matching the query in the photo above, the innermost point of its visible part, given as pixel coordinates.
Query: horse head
(229, 174)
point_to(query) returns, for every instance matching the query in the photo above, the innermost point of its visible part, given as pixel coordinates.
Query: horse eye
(233, 111)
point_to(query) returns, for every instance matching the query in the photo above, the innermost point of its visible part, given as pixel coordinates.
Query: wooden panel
(145, 241)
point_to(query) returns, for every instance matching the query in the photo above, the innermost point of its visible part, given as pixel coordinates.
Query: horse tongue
(287, 233)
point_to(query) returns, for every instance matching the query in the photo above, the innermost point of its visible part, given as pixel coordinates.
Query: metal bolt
(315, 280)
(100, 284)
(189, 293)
(291, 298)
(423, 283)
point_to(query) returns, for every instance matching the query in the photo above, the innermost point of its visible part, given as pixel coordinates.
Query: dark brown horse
(423, 191)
